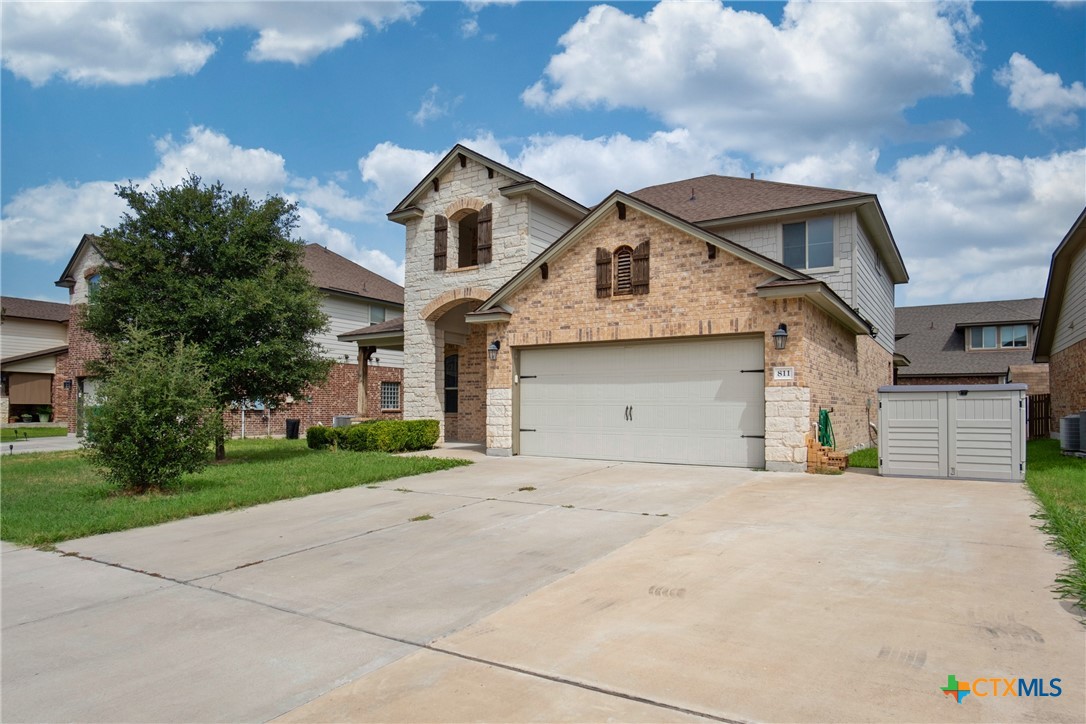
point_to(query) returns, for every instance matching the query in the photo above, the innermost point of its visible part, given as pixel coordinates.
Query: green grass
(866, 458)
(50, 497)
(7, 434)
(1059, 482)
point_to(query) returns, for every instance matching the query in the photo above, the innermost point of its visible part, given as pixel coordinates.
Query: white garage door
(697, 402)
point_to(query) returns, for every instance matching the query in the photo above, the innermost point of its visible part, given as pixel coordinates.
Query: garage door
(697, 402)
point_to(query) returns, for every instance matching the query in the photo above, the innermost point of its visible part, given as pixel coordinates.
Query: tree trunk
(220, 447)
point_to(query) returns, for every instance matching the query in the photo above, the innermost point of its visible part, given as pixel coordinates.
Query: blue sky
(966, 119)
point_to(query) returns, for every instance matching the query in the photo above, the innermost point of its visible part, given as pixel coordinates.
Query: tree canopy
(220, 271)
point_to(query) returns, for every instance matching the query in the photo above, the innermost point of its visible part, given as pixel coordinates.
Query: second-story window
(1005, 336)
(468, 240)
(808, 244)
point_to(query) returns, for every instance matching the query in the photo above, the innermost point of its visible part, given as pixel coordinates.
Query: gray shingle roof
(933, 337)
(34, 309)
(718, 197)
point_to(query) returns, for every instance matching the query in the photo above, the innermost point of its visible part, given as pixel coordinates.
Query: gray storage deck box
(972, 432)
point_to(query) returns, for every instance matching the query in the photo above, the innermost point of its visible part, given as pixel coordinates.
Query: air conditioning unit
(1071, 432)
(1082, 431)
(344, 421)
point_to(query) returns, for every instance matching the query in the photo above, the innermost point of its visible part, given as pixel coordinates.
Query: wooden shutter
(603, 273)
(640, 272)
(441, 242)
(485, 235)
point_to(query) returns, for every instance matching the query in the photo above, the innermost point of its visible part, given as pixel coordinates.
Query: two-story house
(351, 296)
(706, 321)
(970, 343)
(33, 343)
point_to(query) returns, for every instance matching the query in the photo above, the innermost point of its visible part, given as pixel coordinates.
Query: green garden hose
(825, 430)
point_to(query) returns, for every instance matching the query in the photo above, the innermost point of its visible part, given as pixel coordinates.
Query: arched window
(623, 264)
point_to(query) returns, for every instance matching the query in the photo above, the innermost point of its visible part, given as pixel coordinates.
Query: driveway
(609, 591)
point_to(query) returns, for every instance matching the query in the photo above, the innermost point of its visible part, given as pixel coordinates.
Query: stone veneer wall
(459, 189)
(564, 309)
(1067, 375)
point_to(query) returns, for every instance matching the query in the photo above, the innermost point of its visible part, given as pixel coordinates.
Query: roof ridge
(756, 180)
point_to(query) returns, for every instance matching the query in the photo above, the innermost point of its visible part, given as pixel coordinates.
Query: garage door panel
(680, 402)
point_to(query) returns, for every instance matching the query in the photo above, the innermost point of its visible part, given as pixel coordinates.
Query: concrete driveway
(608, 592)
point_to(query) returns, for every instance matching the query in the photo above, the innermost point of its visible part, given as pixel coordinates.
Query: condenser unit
(1071, 432)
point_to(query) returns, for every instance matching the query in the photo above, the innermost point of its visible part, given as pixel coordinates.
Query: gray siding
(545, 225)
(1073, 312)
(874, 291)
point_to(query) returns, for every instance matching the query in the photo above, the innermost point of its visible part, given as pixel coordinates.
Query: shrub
(320, 437)
(155, 419)
(382, 435)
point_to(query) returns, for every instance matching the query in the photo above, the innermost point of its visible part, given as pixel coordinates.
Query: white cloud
(828, 75)
(477, 5)
(1043, 96)
(134, 42)
(469, 28)
(969, 227)
(46, 222)
(435, 104)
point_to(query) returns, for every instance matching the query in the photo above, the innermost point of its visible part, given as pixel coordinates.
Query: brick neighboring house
(33, 344)
(352, 296)
(974, 343)
(1061, 338)
(646, 327)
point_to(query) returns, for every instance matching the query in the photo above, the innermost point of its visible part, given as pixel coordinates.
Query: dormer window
(1005, 336)
(808, 244)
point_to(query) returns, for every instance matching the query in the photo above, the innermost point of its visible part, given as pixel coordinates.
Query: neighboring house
(33, 342)
(352, 296)
(1061, 338)
(646, 327)
(976, 343)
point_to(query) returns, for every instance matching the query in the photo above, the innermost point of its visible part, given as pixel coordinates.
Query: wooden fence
(1038, 413)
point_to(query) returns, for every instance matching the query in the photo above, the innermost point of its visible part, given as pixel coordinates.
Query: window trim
(999, 347)
(399, 395)
(807, 243)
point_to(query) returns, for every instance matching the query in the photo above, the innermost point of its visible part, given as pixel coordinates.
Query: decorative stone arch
(460, 207)
(446, 301)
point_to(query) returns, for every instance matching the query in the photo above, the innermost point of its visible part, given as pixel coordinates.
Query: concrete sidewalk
(41, 444)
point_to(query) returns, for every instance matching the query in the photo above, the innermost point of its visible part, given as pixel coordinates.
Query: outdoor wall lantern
(780, 336)
(492, 350)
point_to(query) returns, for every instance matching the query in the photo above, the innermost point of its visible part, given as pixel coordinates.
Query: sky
(966, 119)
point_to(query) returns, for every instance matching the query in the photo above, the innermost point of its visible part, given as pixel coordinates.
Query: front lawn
(50, 497)
(1059, 482)
(10, 434)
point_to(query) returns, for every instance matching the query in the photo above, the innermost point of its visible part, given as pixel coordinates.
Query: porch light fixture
(492, 350)
(780, 336)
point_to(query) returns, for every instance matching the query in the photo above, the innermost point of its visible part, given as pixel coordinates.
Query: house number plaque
(784, 373)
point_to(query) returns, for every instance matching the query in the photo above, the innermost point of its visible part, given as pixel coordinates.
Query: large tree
(221, 271)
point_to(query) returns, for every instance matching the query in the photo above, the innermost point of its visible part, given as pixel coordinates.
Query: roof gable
(1056, 288)
(454, 156)
(86, 245)
(620, 200)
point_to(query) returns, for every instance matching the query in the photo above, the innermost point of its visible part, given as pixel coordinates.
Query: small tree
(156, 417)
(222, 271)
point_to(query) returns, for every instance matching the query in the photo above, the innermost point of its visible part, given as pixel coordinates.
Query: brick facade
(83, 348)
(337, 396)
(1034, 376)
(564, 309)
(1067, 374)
